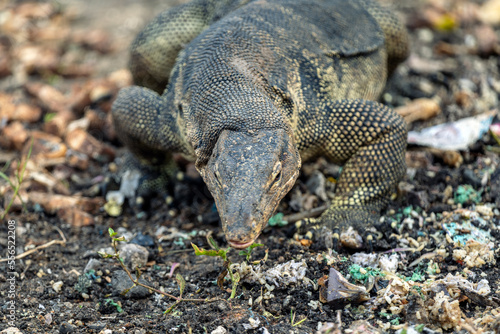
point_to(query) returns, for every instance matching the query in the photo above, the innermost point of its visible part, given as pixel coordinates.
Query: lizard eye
(278, 177)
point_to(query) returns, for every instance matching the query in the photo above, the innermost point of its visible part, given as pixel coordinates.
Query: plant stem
(137, 283)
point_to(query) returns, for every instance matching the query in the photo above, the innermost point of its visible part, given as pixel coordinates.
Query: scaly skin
(255, 87)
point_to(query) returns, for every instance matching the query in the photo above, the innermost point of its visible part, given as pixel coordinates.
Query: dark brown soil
(451, 62)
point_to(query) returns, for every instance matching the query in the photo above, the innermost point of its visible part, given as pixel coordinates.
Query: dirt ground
(435, 265)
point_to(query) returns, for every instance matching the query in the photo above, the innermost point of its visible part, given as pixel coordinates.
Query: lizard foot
(352, 227)
(139, 182)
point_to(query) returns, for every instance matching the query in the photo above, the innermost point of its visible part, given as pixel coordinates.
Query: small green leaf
(385, 314)
(111, 232)
(445, 22)
(207, 252)
(277, 220)
(213, 243)
(182, 283)
(255, 245)
(115, 304)
(243, 252)
(48, 117)
(356, 272)
(407, 210)
(248, 251)
(104, 254)
(170, 309)
(210, 252)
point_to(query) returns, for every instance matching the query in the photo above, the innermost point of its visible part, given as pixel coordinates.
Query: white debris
(365, 260)
(219, 330)
(11, 330)
(444, 310)
(475, 254)
(387, 263)
(57, 286)
(458, 281)
(253, 323)
(314, 304)
(351, 238)
(395, 294)
(287, 273)
(115, 196)
(454, 135)
(485, 210)
(249, 273)
(483, 287)
(130, 183)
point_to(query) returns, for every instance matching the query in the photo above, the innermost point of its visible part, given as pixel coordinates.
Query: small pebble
(66, 328)
(222, 306)
(219, 330)
(314, 304)
(143, 240)
(134, 256)
(57, 286)
(425, 35)
(287, 301)
(121, 282)
(93, 264)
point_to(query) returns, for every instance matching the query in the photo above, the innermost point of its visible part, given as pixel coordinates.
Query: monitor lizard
(250, 89)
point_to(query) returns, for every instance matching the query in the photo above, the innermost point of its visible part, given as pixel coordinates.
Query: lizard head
(248, 174)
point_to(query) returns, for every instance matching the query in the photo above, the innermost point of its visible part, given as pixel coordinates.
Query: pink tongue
(240, 245)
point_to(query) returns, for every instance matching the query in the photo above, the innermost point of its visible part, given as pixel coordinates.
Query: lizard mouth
(240, 245)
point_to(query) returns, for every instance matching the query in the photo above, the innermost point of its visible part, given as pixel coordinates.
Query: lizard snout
(239, 245)
(241, 233)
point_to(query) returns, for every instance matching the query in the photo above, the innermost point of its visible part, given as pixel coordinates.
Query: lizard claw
(142, 203)
(107, 184)
(336, 239)
(306, 226)
(369, 242)
(295, 228)
(138, 183)
(351, 228)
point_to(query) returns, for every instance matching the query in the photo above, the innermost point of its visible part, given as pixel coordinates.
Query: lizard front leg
(370, 140)
(149, 127)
